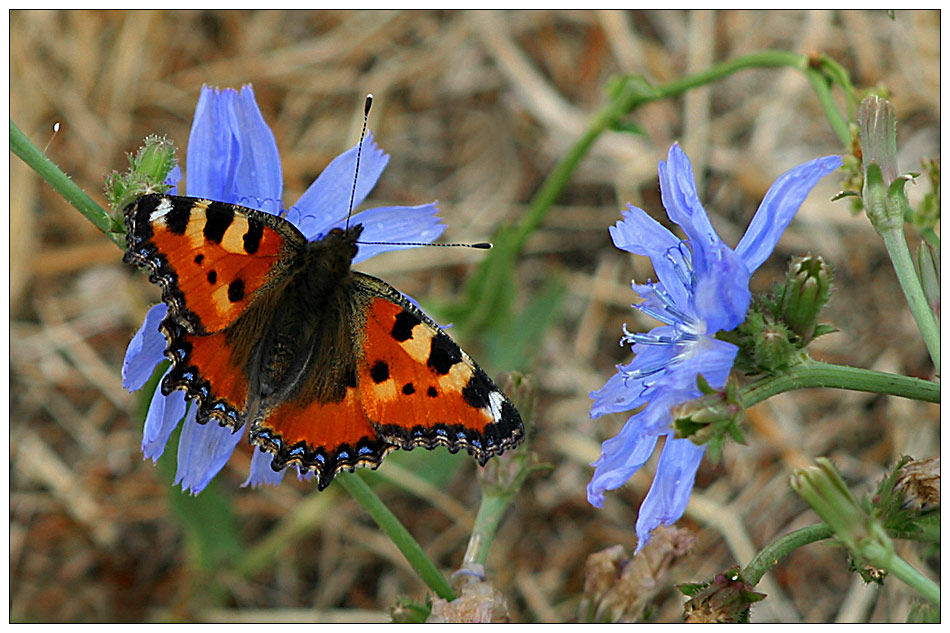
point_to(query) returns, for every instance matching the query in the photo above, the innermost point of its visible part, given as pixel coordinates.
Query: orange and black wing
(211, 260)
(412, 386)
(418, 388)
(321, 437)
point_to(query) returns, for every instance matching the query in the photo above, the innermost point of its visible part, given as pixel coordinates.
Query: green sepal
(148, 170)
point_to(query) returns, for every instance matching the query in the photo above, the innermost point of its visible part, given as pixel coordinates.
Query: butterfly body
(331, 368)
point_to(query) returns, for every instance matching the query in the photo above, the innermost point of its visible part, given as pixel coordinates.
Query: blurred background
(475, 109)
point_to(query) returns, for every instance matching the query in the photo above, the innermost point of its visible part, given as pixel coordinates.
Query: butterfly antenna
(481, 245)
(359, 150)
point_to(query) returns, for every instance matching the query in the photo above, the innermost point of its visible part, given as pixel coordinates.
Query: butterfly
(331, 368)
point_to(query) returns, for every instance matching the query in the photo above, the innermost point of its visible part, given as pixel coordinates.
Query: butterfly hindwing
(321, 437)
(202, 368)
(417, 386)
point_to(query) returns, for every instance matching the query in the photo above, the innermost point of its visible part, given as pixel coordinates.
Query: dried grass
(475, 108)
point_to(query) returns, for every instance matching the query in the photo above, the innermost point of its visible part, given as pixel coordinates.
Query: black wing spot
(379, 372)
(402, 328)
(236, 290)
(212, 276)
(477, 390)
(252, 239)
(431, 392)
(199, 258)
(408, 389)
(218, 218)
(443, 354)
(177, 219)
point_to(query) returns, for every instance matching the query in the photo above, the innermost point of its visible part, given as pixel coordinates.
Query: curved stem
(632, 94)
(782, 547)
(822, 88)
(488, 292)
(813, 373)
(399, 535)
(48, 171)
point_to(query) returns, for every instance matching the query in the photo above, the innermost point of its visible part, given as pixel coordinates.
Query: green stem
(822, 87)
(812, 373)
(771, 555)
(904, 267)
(48, 171)
(490, 513)
(488, 292)
(632, 94)
(399, 535)
(887, 559)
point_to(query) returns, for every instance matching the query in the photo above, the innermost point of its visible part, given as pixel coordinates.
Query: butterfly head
(336, 249)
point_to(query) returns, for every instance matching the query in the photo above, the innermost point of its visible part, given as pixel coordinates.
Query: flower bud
(772, 347)
(884, 199)
(806, 291)
(148, 172)
(478, 602)
(827, 493)
(619, 585)
(878, 130)
(728, 598)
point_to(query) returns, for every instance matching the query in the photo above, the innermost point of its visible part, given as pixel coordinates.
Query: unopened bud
(148, 172)
(728, 598)
(806, 291)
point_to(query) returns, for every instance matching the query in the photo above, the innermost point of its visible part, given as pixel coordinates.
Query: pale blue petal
(616, 395)
(678, 193)
(620, 458)
(145, 350)
(213, 147)
(164, 414)
(622, 392)
(203, 450)
(779, 206)
(326, 202)
(639, 233)
(261, 471)
(258, 175)
(714, 361)
(669, 494)
(721, 297)
(417, 224)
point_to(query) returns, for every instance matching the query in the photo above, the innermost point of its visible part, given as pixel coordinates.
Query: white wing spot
(495, 401)
(161, 210)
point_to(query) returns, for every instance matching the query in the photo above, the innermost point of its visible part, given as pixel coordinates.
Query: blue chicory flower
(232, 157)
(702, 288)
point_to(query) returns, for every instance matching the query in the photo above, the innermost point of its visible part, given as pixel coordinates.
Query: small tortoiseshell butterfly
(332, 369)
